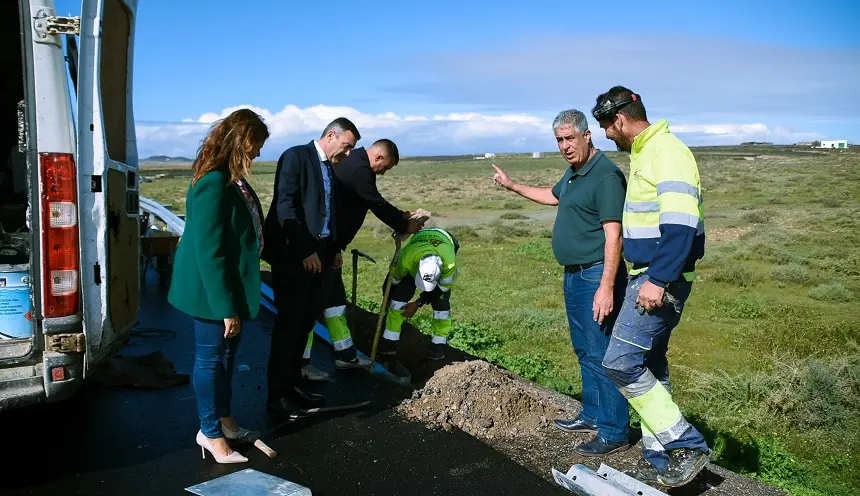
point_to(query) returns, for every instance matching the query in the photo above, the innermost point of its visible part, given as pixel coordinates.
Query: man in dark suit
(356, 194)
(300, 245)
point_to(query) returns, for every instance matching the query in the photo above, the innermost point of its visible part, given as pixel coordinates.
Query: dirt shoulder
(512, 415)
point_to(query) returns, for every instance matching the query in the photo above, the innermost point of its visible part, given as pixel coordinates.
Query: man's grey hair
(340, 125)
(571, 117)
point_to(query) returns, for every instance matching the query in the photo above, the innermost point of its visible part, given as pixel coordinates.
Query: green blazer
(216, 270)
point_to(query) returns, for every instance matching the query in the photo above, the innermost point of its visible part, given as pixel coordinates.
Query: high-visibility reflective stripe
(447, 280)
(679, 218)
(650, 442)
(446, 314)
(678, 187)
(444, 289)
(641, 232)
(395, 280)
(642, 207)
(335, 311)
(307, 353)
(391, 335)
(342, 344)
(439, 340)
(642, 385)
(631, 343)
(397, 305)
(673, 432)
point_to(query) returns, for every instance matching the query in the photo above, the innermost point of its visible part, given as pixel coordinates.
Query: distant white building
(489, 155)
(833, 144)
(537, 154)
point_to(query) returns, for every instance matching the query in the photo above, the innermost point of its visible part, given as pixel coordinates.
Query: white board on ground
(249, 482)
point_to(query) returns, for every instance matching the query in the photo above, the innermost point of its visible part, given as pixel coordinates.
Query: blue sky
(474, 76)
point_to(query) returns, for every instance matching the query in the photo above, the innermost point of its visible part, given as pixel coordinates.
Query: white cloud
(453, 133)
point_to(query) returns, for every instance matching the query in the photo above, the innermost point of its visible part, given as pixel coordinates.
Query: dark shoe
(435, 351)
(644, 472)
(346, 355)
(386, 347)
(575, 425)
(285, 407)
(684, 465)
(306, 398)
(599, 446)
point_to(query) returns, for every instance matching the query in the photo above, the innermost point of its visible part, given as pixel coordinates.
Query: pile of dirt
(515, 417)
(484, 401)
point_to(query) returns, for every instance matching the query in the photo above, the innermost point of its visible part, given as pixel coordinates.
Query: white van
(69, 235)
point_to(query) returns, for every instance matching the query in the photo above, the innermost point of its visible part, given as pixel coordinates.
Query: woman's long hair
(231, 143)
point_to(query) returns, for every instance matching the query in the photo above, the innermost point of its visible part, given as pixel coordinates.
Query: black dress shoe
(306, 398)
(285, 407)
(575, 425)
(599, 446)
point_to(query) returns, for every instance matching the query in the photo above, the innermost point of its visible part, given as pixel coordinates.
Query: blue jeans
(602, 403)
(213, 374)
(636, 363)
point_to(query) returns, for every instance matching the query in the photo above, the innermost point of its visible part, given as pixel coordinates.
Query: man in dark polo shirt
(356, 194)
(586, 240)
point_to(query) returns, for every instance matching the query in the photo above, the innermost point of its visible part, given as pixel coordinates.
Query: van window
(114, 76)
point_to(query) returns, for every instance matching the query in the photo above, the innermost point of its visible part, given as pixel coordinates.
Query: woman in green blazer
(216, 270)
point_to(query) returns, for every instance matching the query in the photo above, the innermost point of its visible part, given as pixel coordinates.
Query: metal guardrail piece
(173, 221)
(606, 481)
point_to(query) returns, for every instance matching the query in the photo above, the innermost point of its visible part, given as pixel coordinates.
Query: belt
(577, 268)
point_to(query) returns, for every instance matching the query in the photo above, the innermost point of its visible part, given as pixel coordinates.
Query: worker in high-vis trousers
(663, 237)
(427, 263)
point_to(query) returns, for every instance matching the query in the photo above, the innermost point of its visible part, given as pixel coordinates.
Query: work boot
(684, 465)
(599, 446)
(644, 472)
(313, 374)
(349, 359)
(435, 351)
(386, 347)
(575, 425)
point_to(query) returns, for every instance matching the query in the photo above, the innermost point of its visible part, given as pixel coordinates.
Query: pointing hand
(501, 178)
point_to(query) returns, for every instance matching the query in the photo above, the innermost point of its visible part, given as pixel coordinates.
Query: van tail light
(61, 253)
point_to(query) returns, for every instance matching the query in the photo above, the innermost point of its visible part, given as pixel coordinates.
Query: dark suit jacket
(216, 270)
(356, 194)
(295, 220)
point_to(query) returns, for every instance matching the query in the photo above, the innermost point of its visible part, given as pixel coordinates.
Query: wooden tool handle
(265, 449)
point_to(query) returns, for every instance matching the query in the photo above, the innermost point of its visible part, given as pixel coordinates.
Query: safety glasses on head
(608, 109)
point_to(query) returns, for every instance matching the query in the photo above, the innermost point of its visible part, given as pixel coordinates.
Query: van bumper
(69, 365)
(36, 384)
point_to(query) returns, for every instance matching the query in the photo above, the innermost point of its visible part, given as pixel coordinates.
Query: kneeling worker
(427, 262)
(356, 193)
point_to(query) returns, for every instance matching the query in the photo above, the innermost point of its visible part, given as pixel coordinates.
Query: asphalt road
(111, 440)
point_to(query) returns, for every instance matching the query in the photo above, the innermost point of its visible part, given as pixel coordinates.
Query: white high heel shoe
(234, 457)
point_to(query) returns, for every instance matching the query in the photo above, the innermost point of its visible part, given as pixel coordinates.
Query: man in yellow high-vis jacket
(663, 237)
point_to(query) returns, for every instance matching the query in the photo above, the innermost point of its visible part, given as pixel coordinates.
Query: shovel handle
(384, 307)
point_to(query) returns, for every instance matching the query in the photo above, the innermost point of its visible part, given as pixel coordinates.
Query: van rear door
(108, 176)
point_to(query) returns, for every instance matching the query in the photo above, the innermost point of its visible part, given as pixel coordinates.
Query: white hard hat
(429, 272)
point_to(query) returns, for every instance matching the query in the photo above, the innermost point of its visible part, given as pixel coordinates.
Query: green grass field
(765, 361)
